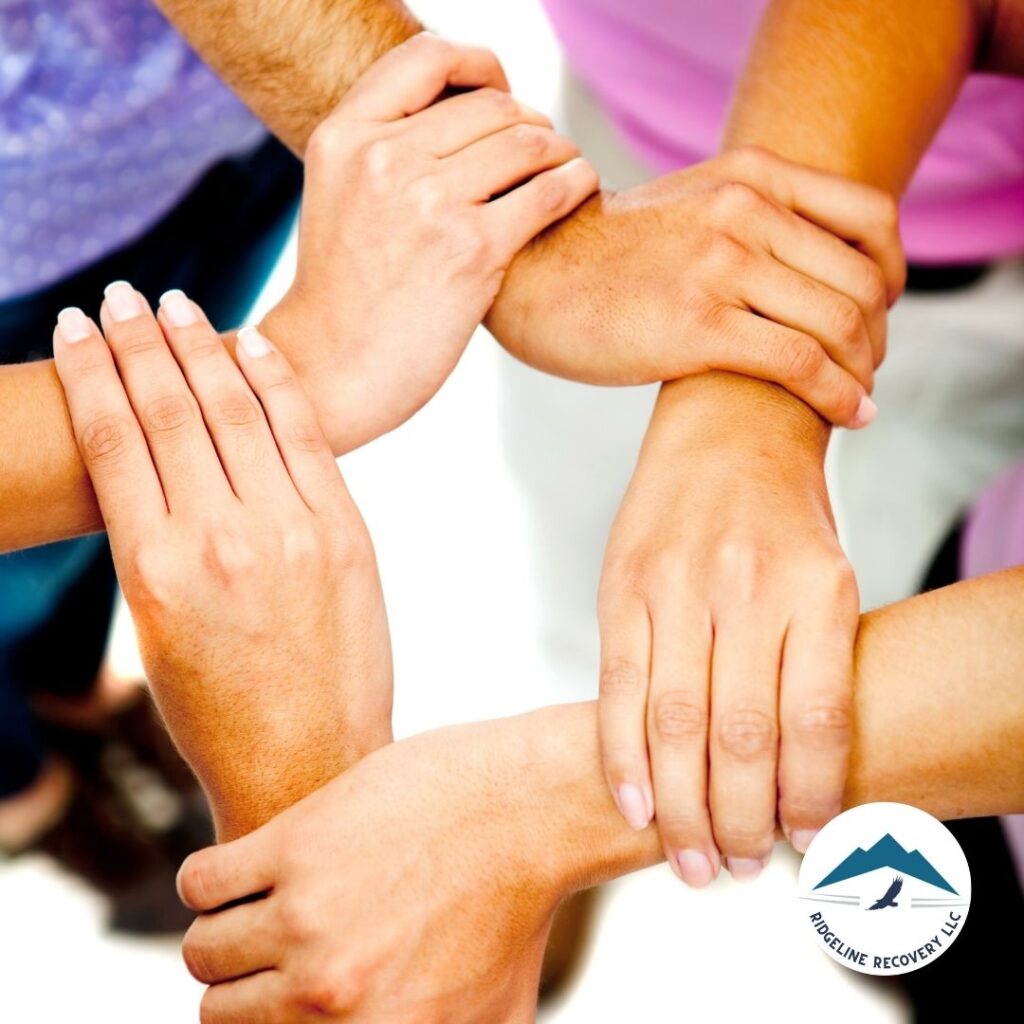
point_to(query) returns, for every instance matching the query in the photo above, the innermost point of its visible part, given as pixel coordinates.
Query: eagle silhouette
(889, 899)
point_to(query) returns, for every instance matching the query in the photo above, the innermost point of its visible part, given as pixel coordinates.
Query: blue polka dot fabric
(107, 118)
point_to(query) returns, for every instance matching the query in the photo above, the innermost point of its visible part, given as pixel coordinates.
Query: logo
(884, 889)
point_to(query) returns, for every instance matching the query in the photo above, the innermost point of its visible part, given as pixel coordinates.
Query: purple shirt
(665, 69)
(107, 118)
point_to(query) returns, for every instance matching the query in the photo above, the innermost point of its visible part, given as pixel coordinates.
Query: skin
(470, 836)
(213, 516)
(409, 174)
(598, 298)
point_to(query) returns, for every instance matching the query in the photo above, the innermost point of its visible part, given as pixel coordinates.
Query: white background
(450, 538)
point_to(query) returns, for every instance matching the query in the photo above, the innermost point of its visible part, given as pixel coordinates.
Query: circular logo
(884, 889)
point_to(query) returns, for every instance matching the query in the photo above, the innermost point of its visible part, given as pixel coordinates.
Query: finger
(459, 121)
(744, 741)
(819, 254)
(230, 410)
(109, 436)
(190, 471)
(815, 715)
(865, 216)
(232, 943)
(804, 304)
(413, 75)
(232, 871)
(624, 680)
(759, 347)
(259, 999)
(516, 218)
(297, 432)
(494, 164)
(677, 731)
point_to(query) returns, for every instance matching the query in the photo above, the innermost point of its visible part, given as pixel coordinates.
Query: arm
(393, 204)
(45, 494)
(499, 821)
(860, 87)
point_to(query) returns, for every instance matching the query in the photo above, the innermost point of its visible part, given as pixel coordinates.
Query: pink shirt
(665, 69)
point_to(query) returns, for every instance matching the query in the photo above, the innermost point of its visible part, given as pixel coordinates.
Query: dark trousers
(219, 245)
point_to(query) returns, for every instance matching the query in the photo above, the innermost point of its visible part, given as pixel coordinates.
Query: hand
(412, 211)
(419, 885)
(728, 616)
(245, 563)
(738, 263)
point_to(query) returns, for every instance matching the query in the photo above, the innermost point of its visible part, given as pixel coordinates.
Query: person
(119, 152)
(252, 579)
(599, 299)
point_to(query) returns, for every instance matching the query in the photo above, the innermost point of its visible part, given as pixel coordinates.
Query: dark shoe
(567, 944)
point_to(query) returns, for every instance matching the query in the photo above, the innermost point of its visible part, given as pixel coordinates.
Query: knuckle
(847, 321)
(679, 828)
(333, 988)
(235, 410)
(823, 726)
(747, 734)
(427, 196)
(306, 436)
(196, 961)
(326, 144)
(749, 160)
(801, 359)
(739, 837)
(552, 194)
(736, 200)
(530, 140)
(873, 291)
(103, 440)
(283, 379)
(229, 557)
(167, 415)
(887, 212)
(465, 248)
(300, 544)
(740, 566)
(381, 160)
(679, 718)
(504, 105)
(207, 1014)
(138, 337)
(726, 253)
(297, 921)
(621, 677)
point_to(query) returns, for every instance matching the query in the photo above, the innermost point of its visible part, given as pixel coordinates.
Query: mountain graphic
(886, 853)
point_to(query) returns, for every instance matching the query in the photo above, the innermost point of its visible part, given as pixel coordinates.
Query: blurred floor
(457, 579)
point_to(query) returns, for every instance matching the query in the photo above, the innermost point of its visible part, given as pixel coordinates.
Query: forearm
(938, 723)
(857, 87)
(291, 63)
(45, 494)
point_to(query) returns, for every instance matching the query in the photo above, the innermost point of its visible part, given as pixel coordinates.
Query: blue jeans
(219, 244)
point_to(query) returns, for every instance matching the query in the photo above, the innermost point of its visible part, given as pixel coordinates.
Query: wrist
(728, 411)
(580, 838)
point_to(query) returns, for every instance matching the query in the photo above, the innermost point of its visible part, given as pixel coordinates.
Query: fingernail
(801, 838)
(866, 412)
(73, 325)
(253, 343)
(633, 806)
(745, 869)
(695, 868)
(178, 308)
(122, 301)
